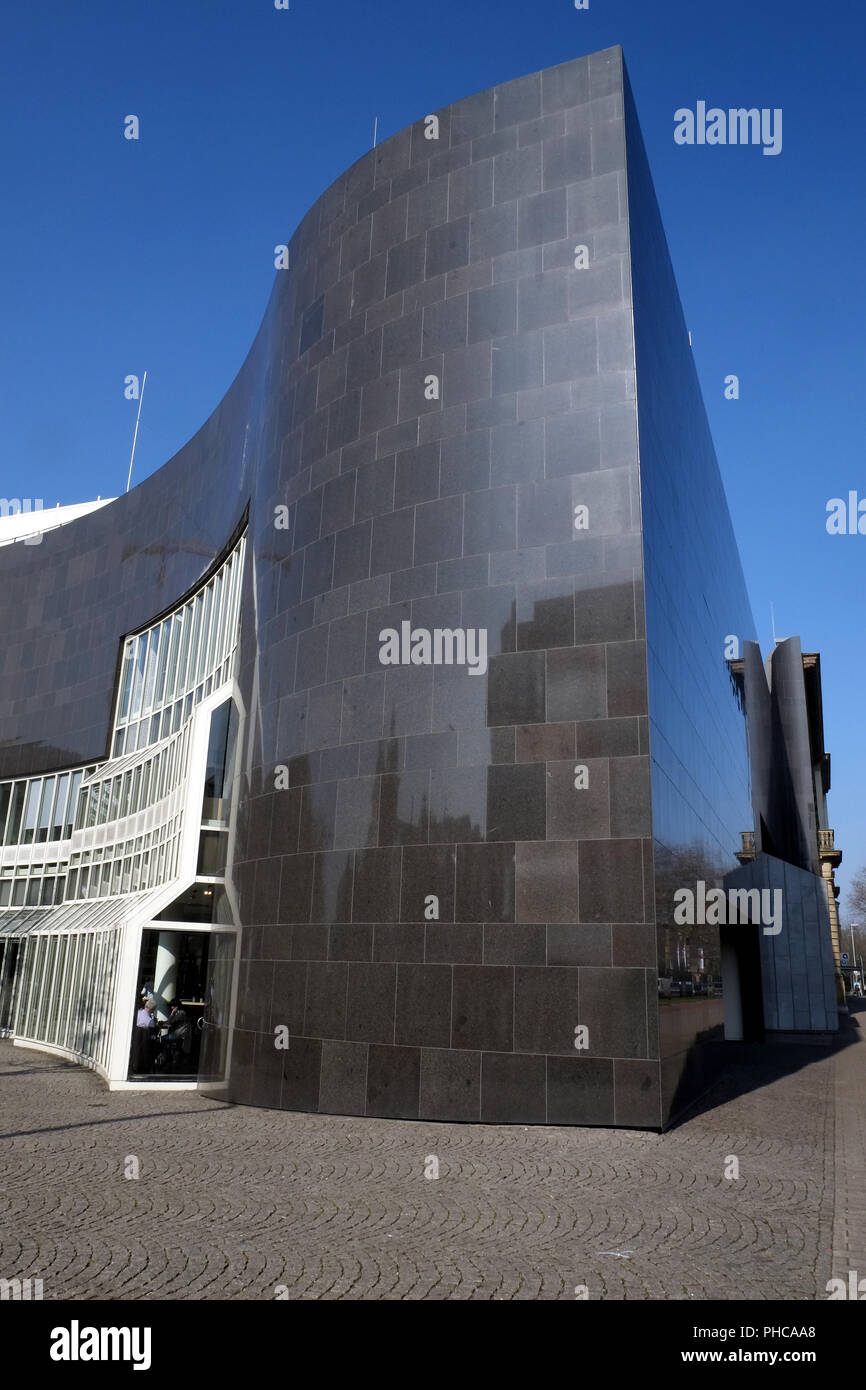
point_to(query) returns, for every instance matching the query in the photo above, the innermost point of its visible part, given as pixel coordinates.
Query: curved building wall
(443, 867)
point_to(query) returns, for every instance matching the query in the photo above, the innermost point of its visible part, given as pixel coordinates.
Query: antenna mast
(135, 436)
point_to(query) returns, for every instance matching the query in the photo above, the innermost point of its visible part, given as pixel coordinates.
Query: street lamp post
(852, 925)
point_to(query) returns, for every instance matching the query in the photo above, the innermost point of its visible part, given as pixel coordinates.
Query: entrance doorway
(182, 996)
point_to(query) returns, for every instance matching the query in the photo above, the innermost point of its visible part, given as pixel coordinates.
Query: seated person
(179, 1032)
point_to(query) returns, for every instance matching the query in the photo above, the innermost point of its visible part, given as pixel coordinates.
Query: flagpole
(135, 436)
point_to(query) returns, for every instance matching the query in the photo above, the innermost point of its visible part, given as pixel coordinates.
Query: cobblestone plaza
(234, 1202)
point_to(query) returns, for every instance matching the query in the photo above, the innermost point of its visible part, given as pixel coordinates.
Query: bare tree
(857, 895)
(854, 920)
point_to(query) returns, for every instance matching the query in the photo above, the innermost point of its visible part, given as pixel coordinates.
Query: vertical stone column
(827, 874)
(165, 978)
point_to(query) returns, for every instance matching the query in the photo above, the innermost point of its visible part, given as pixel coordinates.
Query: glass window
(215, 770)
(114, 810)
(31, 808)
(16, 810)
(33, 887)
(60, 813)
(45, 989)
(171, 677)
(195, 644)
(62, 1025)
(184, 650)
(5, 795)
(212, 847)
(159, 688)
(214, 653)
(126, 680)
(124, 793)
(138, 682)
(150, 672)
(206, 629)
(45, 809)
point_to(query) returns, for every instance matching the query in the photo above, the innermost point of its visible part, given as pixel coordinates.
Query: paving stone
(233, 1202)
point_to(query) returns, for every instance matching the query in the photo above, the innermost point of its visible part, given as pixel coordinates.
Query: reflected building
(392, 714)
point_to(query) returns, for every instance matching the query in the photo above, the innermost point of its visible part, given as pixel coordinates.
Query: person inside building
(142, 1042)
(179, 1035)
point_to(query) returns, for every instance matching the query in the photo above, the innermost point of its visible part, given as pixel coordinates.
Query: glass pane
(216, 626)
(72, 803)
(212, 847)
(207, 606)
(126, 680)
(171, 675)
(138, 681)
(58, 820)
(16, 809)
(34, 790)
(184, 649)
(150, 673)
(212, 802)
(159, 688)
(45, 807)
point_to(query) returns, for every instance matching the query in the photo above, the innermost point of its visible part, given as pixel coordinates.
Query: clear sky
(117, 255)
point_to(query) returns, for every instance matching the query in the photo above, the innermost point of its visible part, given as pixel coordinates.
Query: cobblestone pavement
(232, 1201)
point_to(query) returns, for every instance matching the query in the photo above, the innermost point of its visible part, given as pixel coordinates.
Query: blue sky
(116, 256)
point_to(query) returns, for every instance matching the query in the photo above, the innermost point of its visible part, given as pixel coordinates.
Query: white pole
(375, 132)
(135, 436)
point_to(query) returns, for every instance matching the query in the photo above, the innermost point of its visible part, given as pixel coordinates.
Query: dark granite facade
(442, 872)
